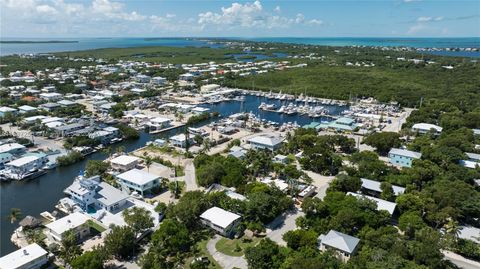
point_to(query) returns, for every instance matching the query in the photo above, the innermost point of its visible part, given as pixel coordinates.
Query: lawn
(235, 247)
(203, 252)
(96, 226)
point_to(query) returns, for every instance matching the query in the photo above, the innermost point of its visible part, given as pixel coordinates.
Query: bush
(70, 158)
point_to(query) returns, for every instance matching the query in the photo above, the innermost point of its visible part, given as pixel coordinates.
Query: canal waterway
(41, 194)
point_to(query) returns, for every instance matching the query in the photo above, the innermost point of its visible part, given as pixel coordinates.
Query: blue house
(403, 157)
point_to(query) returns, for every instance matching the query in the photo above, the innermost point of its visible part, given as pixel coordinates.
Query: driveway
(190, 178)
(460, 261)
(321, 182)
(282, 224)
(225, 261)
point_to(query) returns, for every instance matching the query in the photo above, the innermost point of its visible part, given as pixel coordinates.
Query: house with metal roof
(423, 128)
(388, 206)
(403, 157)
(270, 142)
(341, 124)
(343, 244)
(124, 163)
(372, 187)
(472, 162)
(32, 256)
(138, 180)
(75, 221)
(222, 221)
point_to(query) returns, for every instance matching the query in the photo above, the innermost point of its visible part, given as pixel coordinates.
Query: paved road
(225, 261)
(282, 224)
(460, 261)
(190, 178)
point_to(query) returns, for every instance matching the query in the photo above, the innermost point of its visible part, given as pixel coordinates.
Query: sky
(215, 18)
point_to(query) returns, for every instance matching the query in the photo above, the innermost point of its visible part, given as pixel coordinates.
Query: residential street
(283, 224)
(225, 261)
(460, 261)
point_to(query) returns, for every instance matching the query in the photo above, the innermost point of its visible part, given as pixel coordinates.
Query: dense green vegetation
(70, 158)
(127, 131)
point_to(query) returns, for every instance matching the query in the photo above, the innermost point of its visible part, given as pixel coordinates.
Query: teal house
(403, 157)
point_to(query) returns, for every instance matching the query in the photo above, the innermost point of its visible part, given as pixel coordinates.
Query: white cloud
(410, 1)
(251, 15)
(429, 19)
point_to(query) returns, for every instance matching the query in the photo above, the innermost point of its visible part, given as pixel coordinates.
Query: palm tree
(148, 162)
(15, 214)
(206, 145)
(120, 149)
(107, 151)
(452, 229)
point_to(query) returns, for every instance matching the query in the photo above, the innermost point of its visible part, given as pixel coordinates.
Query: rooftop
(219, 217)
(66, 223)
(266, 139)
(22, 161)
(406, 153)
(375, 186)
(381, 204)
(109, 195)
(426, 127)
(124, 160)
(338, 240)
(22, 256)
(137, 176)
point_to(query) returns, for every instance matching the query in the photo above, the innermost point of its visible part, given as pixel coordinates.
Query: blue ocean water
(96, 43)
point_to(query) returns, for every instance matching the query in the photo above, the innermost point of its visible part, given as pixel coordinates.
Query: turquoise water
(96, 43)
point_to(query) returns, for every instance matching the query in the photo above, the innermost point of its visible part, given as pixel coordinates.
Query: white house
(24, 165)
(222, 221)
(180, 140)
(343, 244)
(270, 142)
(142, 78)
(12, 148)
(372, 187)
(138, 180)
(90, 192)
(124, 163)
(423, 128)
(160, 81)
(30, 257)
(51, 96)
(26, 109)
(209, 87)
(4, 110)
(381, 204)
(158, 123)
(74, 221)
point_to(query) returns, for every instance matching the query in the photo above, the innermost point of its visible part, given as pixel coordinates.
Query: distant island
(35, 42)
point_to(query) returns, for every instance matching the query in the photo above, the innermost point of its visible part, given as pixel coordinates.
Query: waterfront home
(20, 167)
(388, 206)
(372, 187)
(69, 129)
(26, 109)
(105, 137)
(13, 148)
(200, 110)
(341, 124)
(75, 221)
(50, 96)
(423, 128)
(124, 163)
(5, 158)
(472, 162)
(222, 221)
(209, 88)
(5, 110)
(93, 194)
(180, 141)
(139, 181)
(403, 157)
(344, 245)
(32, 256)
(270, 142)
(158, 123)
